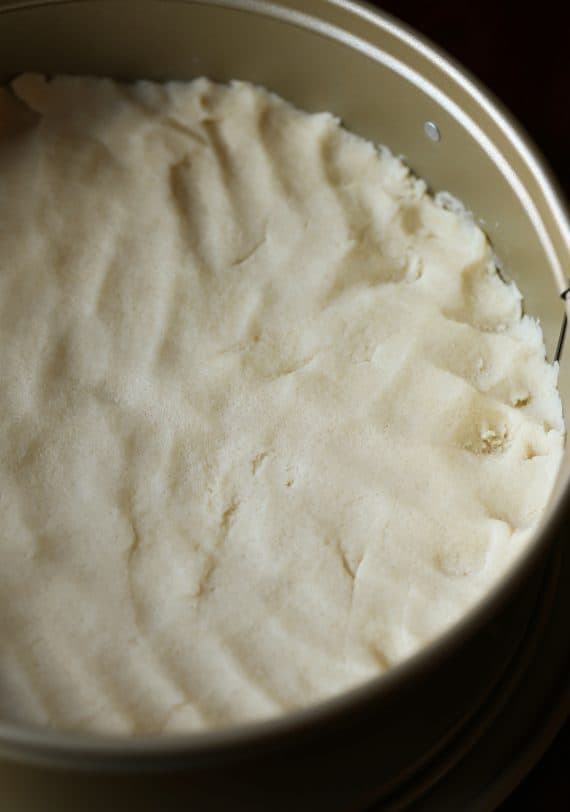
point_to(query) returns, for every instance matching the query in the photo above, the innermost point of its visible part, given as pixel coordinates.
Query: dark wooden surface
(522, 53)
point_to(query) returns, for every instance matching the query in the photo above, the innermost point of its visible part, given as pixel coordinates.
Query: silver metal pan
(389, 85)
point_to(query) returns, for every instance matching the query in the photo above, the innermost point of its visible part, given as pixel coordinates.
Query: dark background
(523, 56)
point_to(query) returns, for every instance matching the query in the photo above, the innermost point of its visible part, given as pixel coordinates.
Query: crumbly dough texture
(270, 420)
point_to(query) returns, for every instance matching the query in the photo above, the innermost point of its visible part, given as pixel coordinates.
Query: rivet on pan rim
(431, 131)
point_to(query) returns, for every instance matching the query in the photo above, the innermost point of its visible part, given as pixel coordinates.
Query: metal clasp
(564, 295)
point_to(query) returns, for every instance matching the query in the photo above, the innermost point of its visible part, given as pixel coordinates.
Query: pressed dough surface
(270, 420)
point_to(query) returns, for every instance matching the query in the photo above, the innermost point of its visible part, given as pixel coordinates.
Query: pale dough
(270, 420)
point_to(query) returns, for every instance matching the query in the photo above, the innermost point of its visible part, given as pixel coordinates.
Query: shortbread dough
(270, 419)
